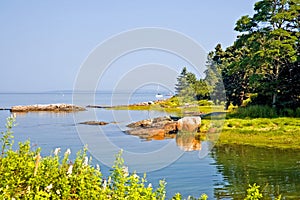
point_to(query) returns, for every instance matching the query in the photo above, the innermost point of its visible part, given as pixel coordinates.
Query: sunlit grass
(281, 132)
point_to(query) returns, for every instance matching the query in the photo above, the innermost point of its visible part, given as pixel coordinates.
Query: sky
(43, 44)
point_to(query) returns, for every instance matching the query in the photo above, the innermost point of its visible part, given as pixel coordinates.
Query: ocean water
(216, 174)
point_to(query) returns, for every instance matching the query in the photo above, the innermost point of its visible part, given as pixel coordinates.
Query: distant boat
(158, 95)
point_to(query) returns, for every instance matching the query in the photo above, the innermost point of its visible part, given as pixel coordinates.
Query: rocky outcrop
(157, 128)
(99, 123)
(163, 127)
(48, 108)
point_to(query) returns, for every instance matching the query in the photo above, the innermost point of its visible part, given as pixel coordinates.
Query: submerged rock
(100, 123)
(48, 108)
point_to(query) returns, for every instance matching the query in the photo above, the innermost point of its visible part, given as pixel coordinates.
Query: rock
(48, 108)
(171, 127)
(142, 123)
(162, 127)
(101, 123)
(150, 122)
(189, 124)
(159, 127)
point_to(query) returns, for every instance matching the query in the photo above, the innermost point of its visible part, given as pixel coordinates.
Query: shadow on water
(277, 171)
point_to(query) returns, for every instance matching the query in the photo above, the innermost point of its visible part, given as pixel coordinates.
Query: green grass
(283, 132)
(175, 106)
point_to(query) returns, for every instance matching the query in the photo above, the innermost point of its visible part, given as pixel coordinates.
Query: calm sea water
(224, 174)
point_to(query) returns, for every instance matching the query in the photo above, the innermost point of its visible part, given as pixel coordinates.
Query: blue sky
(44, 43)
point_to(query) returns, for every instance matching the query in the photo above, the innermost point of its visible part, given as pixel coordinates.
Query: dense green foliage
(264, 59)
(262, 64)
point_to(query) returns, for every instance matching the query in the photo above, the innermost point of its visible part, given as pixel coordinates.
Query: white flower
(104, 184)
(49, 187)
(86, 161)
(98, 167)
(56, 151)
(150, 185)
(58, 192)
(125, 171)
(68, 152)
(135, 176)
(69, 172)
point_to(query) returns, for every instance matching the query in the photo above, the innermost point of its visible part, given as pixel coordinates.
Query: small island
(47, 108)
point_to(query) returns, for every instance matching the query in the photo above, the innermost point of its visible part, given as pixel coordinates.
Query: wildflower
(28, 189)
(135, 176)
(98, 167)
(49, 187)
(150, 185)
(125, 171)
(69, 172)
(58, 192)
(68, 152)
(104, 184)
(86, 161)
(56, 151)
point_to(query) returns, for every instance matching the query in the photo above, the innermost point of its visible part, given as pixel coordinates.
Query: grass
(174, 106)
(283, 132)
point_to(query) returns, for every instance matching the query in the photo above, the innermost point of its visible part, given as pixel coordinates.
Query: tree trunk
(274, 100)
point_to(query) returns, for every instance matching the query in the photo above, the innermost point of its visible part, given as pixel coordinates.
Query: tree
(264, 59)
(189, 87)
(271, 38)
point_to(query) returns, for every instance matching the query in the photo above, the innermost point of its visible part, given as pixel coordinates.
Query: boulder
(189, 124)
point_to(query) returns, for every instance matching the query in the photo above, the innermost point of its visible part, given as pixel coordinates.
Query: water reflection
(188, 141)
(276, 171)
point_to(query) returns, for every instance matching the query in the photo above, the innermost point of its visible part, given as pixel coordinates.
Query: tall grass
(260, 111)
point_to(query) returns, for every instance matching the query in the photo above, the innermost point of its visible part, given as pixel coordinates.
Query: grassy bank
(282, 132)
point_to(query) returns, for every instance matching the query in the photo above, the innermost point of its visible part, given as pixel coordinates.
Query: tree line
(262, 64)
